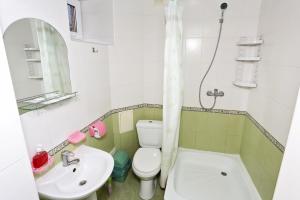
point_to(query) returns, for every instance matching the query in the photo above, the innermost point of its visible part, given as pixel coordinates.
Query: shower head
(223, 6)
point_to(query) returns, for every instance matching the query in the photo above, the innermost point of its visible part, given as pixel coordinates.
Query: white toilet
(147, 159)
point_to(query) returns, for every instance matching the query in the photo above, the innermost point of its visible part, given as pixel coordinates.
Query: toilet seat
(146, 162)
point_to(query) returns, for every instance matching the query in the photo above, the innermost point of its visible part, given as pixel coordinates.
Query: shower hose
(209, 68)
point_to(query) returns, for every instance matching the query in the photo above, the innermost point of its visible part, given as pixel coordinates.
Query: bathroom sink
(77, 181)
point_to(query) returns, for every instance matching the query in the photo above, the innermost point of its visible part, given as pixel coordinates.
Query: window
(74, 15)
(72, 18)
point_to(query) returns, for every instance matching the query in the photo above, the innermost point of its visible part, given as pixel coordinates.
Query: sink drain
(83, 182)
(223, 173)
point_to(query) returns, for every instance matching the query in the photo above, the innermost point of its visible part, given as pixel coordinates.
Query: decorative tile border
(266, 133)
(109, 113)
(222, 111)
(148, 105)
(184, 108)
(58, 148)
(65, 143)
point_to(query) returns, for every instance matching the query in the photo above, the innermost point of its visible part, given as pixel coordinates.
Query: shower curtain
(173, 87)
(54, 59)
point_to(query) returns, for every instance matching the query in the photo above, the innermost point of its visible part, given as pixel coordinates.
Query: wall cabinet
(91, 20)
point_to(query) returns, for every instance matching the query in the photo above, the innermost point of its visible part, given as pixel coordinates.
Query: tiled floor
(129, 190)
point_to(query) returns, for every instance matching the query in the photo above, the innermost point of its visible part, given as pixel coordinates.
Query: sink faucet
(65, 157)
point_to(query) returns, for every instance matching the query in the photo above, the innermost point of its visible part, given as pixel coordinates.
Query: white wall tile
(16, 182)
(127, 94)
(16, 179)
(12, 145)
(154, 26)
(122, 7)
(126, 55)
(272, 103)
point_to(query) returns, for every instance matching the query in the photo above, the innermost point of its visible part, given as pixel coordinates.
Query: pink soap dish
(76, 137)
(45, 167)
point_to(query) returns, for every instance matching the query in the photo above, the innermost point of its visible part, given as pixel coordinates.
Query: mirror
(38, 60)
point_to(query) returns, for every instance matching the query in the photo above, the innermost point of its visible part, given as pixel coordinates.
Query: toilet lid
(147, 159)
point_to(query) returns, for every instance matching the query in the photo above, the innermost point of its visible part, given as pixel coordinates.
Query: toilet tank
(149, 133)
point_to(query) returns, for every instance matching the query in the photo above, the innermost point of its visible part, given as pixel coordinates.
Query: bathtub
(201, 175)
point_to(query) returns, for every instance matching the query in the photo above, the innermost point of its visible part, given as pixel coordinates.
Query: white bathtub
(201, 175)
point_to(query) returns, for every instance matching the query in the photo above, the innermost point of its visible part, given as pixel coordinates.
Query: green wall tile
(261, 158)
(152, 113)
(127, 141)
(233, 143)
(115, 122)
(105, 143)
(211, 131)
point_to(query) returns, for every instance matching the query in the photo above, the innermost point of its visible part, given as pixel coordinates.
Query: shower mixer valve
(215, 93)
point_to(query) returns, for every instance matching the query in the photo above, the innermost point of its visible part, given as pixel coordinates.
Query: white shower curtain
(173, 87)
(54, 59)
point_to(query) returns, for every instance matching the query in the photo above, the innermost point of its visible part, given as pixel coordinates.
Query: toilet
(147, 159)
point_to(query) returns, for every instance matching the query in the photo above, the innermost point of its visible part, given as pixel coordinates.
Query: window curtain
(54, 59)
(173, 87)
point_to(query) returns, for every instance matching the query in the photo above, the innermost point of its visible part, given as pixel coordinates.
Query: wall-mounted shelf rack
(250, 43)
(33, 60)
(244, 84)
(248, 58)
(43, 100)
(31, 49)
(35, 77)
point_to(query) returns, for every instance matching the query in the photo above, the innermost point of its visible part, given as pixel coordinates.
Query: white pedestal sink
(77, 181)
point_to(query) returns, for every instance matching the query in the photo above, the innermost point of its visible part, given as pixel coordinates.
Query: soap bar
(40, 159)
(76, 137)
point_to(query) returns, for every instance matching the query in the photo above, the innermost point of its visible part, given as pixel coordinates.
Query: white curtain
(173, 87)
(54, 59)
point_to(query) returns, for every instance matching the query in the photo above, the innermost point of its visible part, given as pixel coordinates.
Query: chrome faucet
(65, 157)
